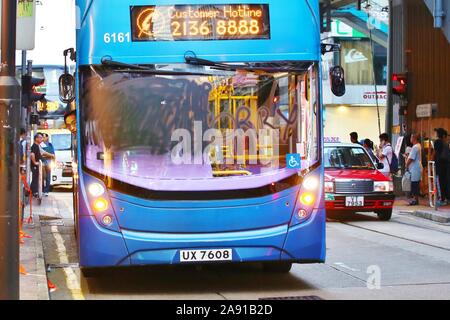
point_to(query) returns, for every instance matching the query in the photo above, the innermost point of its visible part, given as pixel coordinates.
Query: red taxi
(353, 182)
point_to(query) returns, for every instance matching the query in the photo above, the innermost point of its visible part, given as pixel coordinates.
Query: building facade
(363, 107)
(423, 52)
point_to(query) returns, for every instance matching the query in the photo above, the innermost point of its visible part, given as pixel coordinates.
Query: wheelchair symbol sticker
(294, 161)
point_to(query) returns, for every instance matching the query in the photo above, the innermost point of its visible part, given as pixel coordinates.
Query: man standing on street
(48, 147)
(354, 137)
(22, 146)
(442, 160)
(414, 166)
(35, 157)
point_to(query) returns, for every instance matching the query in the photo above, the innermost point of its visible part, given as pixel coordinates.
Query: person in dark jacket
(48, 147)
(442, 159)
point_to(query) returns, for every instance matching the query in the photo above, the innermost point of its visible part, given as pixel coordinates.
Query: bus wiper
(222, 66)
(134, 68)
(107, 61)
(192, 60)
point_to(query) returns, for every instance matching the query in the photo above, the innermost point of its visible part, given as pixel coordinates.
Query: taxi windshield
(347, 158)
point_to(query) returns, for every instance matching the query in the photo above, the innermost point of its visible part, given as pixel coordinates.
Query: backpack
(393, 165)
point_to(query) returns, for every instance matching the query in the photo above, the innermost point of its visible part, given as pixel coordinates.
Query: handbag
(406, 182)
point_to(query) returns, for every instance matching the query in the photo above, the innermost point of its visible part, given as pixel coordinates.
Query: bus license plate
(354, 201)
(206, 255)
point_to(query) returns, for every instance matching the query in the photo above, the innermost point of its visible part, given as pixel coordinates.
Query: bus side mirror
(337, 78)
(66, 88)
(380, 166)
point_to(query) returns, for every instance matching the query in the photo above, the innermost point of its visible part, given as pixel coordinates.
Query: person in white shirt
(385, 153)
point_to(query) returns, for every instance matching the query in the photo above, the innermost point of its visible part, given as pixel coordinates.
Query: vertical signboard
(26, 24)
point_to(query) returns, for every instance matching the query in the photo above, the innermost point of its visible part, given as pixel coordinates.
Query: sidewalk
(53, 215)
(33, 285)
(442, 215)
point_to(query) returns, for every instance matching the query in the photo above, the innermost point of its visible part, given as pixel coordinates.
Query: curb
(433, 216)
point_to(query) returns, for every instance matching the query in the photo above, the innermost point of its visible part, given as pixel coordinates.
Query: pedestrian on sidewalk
(47, 146)
(369, 146)
(414, 167)
(441, 156)
(354, 137)
(22, 146)
(386, 154)
(35, 157)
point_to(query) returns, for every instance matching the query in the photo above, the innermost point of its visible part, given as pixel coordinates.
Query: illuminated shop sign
(200, 22)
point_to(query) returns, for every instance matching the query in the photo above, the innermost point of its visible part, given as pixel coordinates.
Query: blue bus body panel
(204, 216)
(295, 35)
(177, 228)
(303, 243)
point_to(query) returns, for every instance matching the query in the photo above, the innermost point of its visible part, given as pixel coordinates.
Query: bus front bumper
(303, 243)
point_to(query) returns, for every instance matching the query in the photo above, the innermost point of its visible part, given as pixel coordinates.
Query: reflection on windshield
(347, 158)
(228, 130)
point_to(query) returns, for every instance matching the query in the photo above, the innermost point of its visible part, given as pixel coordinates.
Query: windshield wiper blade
(134, 68)
(192, 60)
(106, 61)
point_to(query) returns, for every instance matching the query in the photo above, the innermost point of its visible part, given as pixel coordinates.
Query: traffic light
(29, 93)
(402, 88)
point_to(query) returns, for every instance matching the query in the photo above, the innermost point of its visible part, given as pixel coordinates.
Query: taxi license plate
(206, 255)
(354, 201)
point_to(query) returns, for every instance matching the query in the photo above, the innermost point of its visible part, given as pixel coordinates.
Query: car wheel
(277, 267)
(385, 215)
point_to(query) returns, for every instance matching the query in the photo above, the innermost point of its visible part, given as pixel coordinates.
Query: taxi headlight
(56, 165)
(384, 186)
(329, 187)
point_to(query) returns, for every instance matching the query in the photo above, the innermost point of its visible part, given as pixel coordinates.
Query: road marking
(71, 278)
(343, 265)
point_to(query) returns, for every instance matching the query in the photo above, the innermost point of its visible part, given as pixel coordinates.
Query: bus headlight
(100, 205)
(308, 199)
(309, 196)
(311, 183)
(383, 186)
(96, 190)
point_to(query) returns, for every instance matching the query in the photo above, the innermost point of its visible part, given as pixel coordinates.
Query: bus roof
(105, 24)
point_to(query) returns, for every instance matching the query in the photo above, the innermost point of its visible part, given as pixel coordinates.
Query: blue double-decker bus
(199, 133)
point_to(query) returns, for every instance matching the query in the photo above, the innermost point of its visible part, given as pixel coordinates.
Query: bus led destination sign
(200, 22)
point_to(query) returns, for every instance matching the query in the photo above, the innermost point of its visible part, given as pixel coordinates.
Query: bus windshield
(347, 158)
(217, 130)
